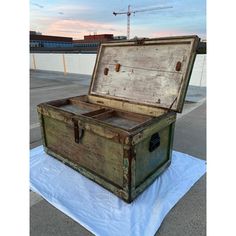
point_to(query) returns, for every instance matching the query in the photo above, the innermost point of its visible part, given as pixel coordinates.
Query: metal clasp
(78, 132)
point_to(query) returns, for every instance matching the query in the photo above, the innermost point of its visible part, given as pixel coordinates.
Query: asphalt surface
(188, 217)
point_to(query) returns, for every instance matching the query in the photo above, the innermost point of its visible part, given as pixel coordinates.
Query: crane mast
(129, 12)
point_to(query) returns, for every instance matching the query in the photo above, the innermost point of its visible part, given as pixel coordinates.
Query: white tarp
(100, 211)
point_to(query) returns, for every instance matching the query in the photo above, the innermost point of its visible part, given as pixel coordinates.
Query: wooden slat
(96, 153)
(127, 106)
(148, 73)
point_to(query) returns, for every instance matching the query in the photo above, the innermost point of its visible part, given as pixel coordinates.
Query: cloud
(163, 33)
(37, 5)
(79, 28)
(69, 8)
(75, 19)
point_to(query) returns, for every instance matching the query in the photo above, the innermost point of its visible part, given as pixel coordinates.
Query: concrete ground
(188, 217)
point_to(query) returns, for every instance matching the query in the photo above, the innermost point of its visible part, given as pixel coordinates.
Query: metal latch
(78, 132)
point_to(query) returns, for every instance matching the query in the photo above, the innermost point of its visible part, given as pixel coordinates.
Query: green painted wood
(157, 124)
(147, 162)
(96, 153)
(124, 168)
(137, 191)
(41, 121)
(120, 192)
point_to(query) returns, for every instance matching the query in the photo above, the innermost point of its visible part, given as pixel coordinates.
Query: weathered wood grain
(147, 162)
(147, 72)
(127, 106)
(97, 154)
(158, 124)
(76, 109)
(123, 120)
(119, 191)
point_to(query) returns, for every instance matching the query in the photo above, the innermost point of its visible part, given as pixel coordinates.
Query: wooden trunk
(120, 135)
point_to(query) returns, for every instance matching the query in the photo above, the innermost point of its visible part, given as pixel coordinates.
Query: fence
(84, 63)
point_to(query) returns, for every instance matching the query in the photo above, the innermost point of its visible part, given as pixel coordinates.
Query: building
(99, 37)
(119, 37)
(35, 33)
(91, 43)
(45, 41)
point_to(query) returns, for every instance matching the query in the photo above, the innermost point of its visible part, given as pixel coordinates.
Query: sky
(76, 18)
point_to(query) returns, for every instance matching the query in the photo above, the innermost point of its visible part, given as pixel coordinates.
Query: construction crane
(129, 12)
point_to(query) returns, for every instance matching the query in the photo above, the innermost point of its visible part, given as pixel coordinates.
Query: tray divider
(104, 115)
(95, 113)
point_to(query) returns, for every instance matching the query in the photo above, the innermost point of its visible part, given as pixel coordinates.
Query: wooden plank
(147, 162)
(132, 116)
(97, 154)
(55, 113)
(96, 113)
(121, 122)
(41, 120)
(150, 166)
(137, 191)
(102, 116)
(83, 98)
(126, 115)
(143, 75)
(148, 73)
(125, 120)
(127, 106)
(76, 109)
(87, 123)
(184, 85)
(175, 40)
(158, 124)
(119, 191)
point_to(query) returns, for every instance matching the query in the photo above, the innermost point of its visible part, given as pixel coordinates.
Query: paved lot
(188, 217)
